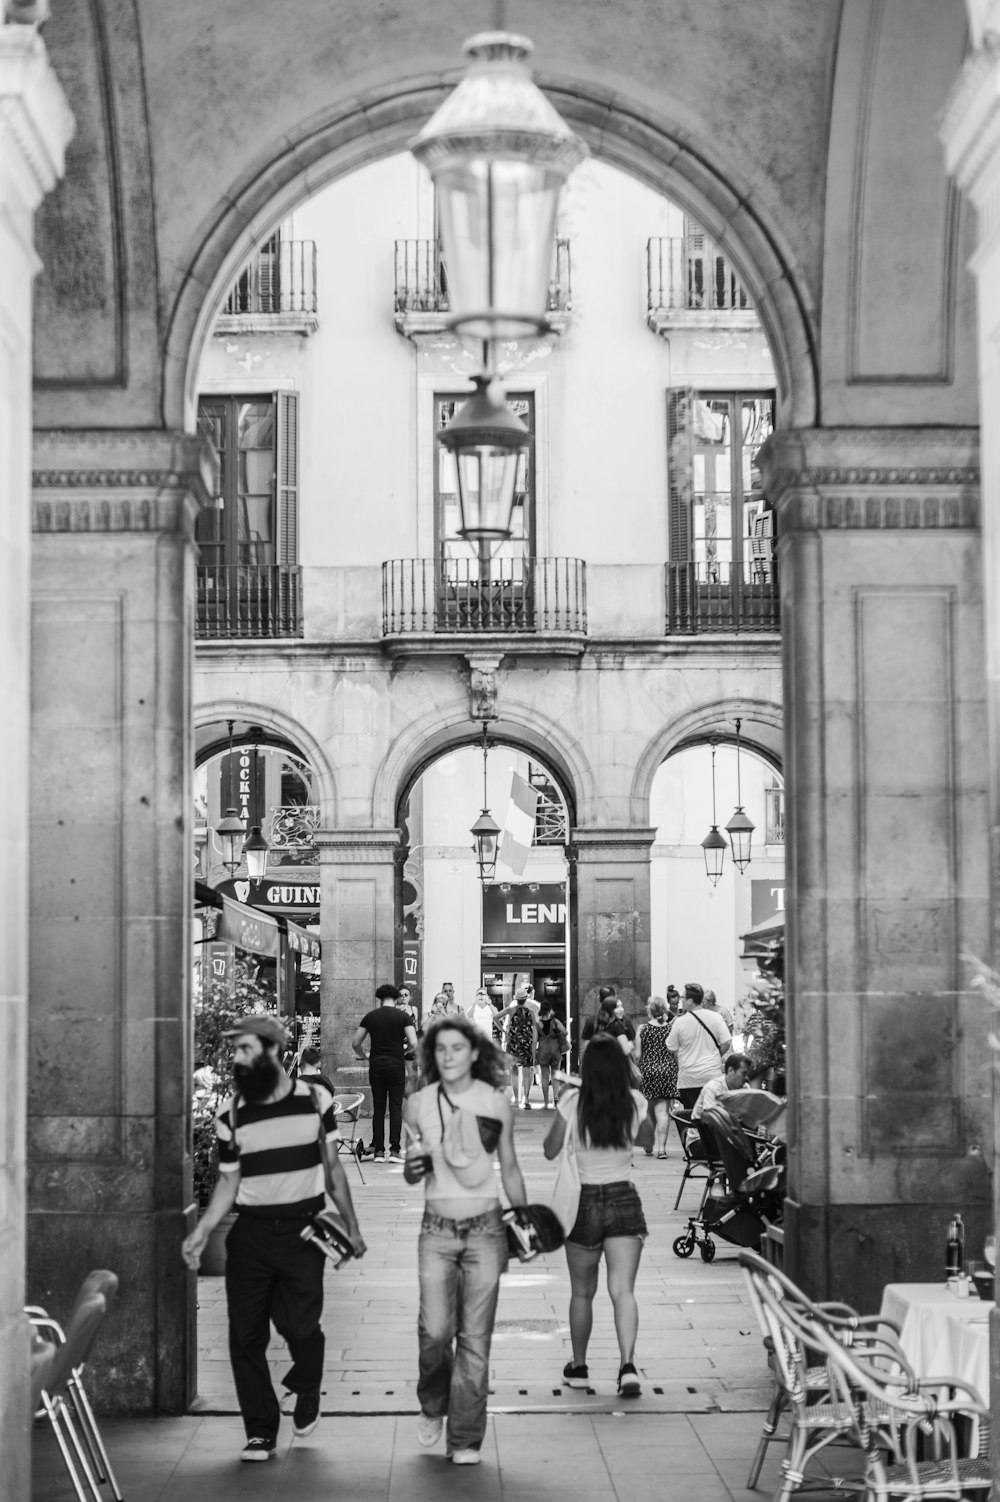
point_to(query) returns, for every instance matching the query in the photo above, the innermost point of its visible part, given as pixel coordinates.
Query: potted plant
(217, 1008)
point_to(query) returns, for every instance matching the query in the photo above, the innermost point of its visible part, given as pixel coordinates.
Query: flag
(519, 825)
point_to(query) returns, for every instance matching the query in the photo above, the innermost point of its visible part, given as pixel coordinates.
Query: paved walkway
(690, 1436)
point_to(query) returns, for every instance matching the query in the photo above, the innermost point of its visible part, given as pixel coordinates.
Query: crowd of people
(277, 1168)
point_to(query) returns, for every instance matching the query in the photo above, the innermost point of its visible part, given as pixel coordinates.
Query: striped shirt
(277, 1152)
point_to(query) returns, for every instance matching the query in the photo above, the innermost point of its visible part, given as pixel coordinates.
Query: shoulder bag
(723, 1052)
(566, 1189)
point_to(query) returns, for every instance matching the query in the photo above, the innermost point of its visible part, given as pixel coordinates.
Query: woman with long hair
(455, 1125)
(658, 1067)
(608, 1116)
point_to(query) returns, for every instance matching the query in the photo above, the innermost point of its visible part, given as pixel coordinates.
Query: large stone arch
(431, 736)
(762, 731)
(291, 730)
(637, 140)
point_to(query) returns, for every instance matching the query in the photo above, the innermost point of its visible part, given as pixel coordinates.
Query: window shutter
(680, 470)
(287, 476)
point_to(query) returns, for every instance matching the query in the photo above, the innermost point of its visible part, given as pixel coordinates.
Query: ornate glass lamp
(487, 440)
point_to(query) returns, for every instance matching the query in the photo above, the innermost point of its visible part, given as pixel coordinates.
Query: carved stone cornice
(616, 844)
(970, 124)
(357, 847)
(120, 481)
(873, 479)
(34, 114)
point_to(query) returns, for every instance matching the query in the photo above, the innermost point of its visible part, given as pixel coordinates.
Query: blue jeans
(460, 1264)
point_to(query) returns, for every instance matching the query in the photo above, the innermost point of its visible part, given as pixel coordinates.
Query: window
(254, 519)
(717, 513)
(447, 543)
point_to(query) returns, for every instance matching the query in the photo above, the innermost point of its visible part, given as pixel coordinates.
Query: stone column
(357, 927)
(109, 1068)
(35, 126)
(971, 134)
(612, 916)
(886, 772)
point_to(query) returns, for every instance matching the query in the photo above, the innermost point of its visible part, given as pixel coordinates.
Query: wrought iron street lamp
(255, 848)
(486, 832)
(498, 154)
(487, 440)
(714, 844)
(740, 829)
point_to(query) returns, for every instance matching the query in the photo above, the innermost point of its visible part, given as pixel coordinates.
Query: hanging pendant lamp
(714, 844)
(740, 829)
(486, 832)
(230, 831)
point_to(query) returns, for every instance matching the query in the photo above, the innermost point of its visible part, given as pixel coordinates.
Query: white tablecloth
(942, 1335)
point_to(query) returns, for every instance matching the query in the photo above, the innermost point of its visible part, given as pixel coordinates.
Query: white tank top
(482, 1100)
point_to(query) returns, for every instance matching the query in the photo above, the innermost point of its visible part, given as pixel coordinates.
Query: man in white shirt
(714, 1093)
(701, 1040)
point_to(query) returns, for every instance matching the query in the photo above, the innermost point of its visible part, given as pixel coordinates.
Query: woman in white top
(463, 1241)
(481, 1012)
(609, 1116)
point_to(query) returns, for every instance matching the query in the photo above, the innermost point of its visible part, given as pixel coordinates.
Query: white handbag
(565, 1199)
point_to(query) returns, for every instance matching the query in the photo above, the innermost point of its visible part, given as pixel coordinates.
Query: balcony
(691, 283)
(246, 601)
(540, 600)
(291, 836)
(421, 301)
(275, 292)
(722, 598)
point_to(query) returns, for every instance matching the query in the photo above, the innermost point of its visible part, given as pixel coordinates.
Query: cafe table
(941, 1334)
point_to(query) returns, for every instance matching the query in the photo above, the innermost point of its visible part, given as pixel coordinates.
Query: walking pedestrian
(608, 1116)
(700, 1040)
(552, 1044)
(390, 1035)
(481, 1012)
(309, 1070)
(456, 1123)
(274, 1166)
(658, 1068)
(522, 1038)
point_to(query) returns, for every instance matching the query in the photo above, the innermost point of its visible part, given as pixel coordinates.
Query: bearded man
(274, 1166)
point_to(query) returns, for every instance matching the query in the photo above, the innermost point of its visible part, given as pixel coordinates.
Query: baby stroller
(744, 1194)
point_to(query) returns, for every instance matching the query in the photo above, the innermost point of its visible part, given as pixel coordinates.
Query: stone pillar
(886, 772)
(109, 1068)
(971, 134)
(612, 916)
(357, 927)
(35, 126)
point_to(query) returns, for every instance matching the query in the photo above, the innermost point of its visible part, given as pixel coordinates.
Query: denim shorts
(607, 1210)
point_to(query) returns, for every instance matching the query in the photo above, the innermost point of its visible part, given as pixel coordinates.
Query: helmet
(532, 1229)
(328, 1234)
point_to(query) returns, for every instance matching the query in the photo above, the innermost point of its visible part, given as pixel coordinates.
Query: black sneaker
(576, 1376)
(305, 1414)
(629, 1385)
(258, 1449)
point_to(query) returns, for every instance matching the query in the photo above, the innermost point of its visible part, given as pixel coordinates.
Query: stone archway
(635, 140)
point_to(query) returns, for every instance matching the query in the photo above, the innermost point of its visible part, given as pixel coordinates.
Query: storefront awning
(759, 941)
(253, 930)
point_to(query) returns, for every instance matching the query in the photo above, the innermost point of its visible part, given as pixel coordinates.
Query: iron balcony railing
(691, 273)
(421, 595)
(291, 835)
(248, 600)
(422, 278)
(281, 278)
(720, 597)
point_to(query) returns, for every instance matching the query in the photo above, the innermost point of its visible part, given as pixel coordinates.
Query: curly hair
(490, 1065)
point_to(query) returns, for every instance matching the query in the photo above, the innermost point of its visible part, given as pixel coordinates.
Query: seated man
(737, 1069)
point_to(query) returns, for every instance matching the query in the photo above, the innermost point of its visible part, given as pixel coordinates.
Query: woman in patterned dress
(522, 1037)
(658, 1067)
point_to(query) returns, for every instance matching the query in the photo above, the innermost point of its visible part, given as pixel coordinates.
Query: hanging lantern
(498, 154)
(486, 831)
(487, 441)
(229, 835)
(255, 851)
(714, 845)
(740, 829)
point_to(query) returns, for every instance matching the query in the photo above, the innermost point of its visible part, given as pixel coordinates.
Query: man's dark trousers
(387, 1078)
(272, 1274)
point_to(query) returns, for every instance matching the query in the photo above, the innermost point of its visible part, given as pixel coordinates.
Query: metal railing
(248, 600)
(292, 835)
(281, 278)
(720, 597)
(463, 595)
(422, 278)
(690, 272)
